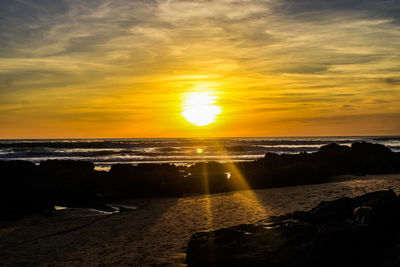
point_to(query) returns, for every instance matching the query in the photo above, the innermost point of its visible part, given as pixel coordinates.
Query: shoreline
(158, 230)
(121, 205)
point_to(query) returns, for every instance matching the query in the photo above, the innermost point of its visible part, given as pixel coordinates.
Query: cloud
(284, 52)
(318, 8)
(392, 80)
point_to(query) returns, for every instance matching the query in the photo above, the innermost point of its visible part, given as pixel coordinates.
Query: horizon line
(221, 137)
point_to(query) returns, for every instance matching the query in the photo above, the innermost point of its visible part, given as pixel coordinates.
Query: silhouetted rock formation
(23, 190)
(146, 179)
(71, 183)
(210, 177)
(28, 187)
(360, 231)
(283, 170)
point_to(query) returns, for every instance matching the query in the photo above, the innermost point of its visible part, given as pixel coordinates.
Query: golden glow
(199, 108)
(322, 79)
(244, 197)
(199, 150)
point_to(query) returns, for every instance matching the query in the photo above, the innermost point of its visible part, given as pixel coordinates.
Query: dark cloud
(306, 9)
(77, 25)
(393, 80)
(24, 22)
(6, 83)
(347, 106)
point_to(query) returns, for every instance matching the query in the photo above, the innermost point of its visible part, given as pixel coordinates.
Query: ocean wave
(173, 150)
(171, 143)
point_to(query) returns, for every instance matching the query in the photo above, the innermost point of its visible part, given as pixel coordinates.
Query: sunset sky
(80, 69)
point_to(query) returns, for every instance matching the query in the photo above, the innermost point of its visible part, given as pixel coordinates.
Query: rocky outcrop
(145, 180)
(25, 185)
(295, 169)
(27, 188)
(360, 231)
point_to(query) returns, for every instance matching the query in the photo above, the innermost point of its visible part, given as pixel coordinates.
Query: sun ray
(245, 194)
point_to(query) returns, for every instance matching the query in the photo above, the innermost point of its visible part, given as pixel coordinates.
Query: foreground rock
(361, 231)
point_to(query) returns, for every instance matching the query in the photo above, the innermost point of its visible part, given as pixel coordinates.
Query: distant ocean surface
(106, 152)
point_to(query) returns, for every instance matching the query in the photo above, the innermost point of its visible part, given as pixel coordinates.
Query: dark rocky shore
(28, 188)
(360, 231)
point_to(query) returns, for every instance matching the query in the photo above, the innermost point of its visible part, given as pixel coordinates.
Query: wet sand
(157, 231)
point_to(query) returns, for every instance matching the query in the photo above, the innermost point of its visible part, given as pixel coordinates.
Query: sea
(180, 151)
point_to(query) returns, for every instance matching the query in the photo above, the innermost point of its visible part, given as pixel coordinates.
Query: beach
(156, 230)
(200, 133)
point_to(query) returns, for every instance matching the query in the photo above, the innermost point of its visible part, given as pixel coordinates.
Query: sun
(199, 108)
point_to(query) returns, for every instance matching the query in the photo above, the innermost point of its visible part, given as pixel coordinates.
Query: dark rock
(22, 190)
(74, 166)
(333, 149)
(327, 235)
(362, 215)
(208, 183)
(208, 177)
(282, 170)
(25, 186)
(339, 209)
(146, 179)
